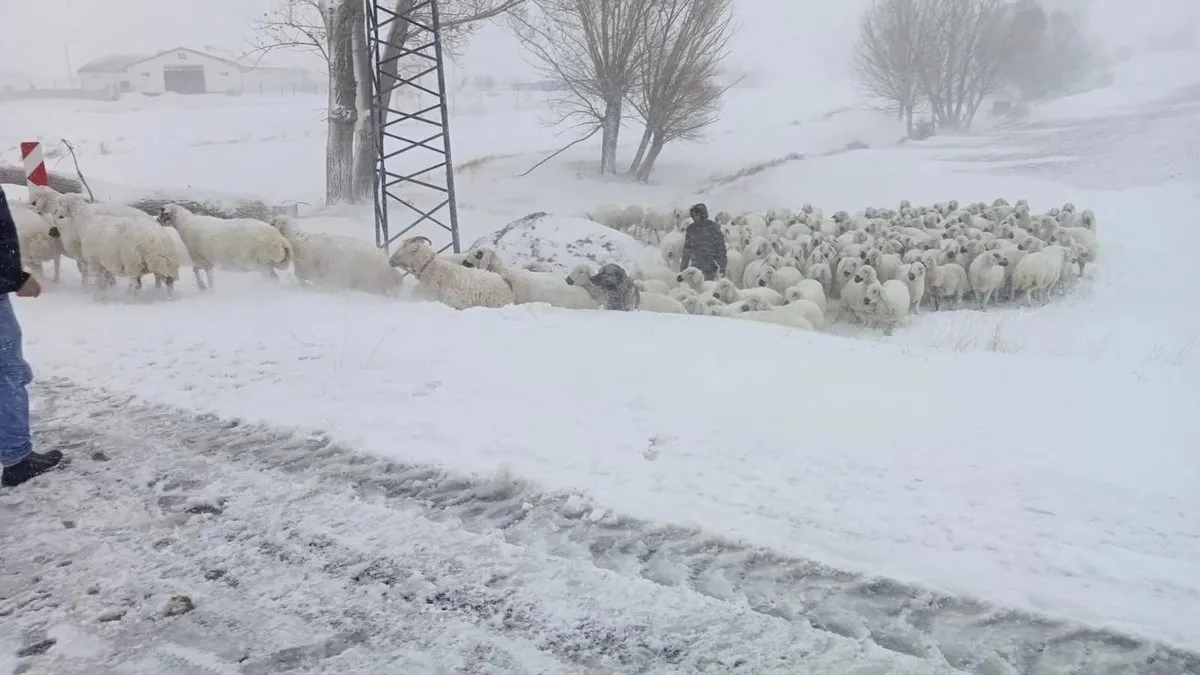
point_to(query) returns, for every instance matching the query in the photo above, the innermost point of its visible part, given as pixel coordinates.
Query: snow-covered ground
(347, 484)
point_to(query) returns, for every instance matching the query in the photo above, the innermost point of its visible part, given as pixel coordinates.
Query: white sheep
(887, 304)
(807, 289)
(727, 292)
(660, 303)
(1082, 236)
(854, 291)
(693, 278)
(681, 292)
(528, 286)
(1038, 273)
(448, 282)
(735, 265)
(37, 243)
(986, 275)
(946, 281)
(239, 244)
(122, 246)
(913, 276)
(671, 247)
(130, 241)
(652, 286)
(782, 278)
(805, 308)
(338, 260)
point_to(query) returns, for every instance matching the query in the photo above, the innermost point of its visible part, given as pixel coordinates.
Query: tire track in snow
(776, 602)
(302, 569)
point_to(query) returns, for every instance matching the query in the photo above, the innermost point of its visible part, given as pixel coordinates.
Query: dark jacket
(704, 249)
(12, 277)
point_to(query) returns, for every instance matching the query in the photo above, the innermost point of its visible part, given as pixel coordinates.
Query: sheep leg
(170, 287)
(199, 282)
(158, 281)
(83, 271)
(208, 272)
(57, 267)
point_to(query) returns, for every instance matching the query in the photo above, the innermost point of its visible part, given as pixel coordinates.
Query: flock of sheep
(880, 265)
(111, 241)
(791, 268)
(797, 269)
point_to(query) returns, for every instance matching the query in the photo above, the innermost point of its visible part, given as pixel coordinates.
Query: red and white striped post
(35, 164)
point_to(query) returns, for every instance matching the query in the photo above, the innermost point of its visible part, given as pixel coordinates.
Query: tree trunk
(908, 120)
(343, 100)
(610, 130)
(641, 151)
(656, 146)
(366, 135)
(397, 38)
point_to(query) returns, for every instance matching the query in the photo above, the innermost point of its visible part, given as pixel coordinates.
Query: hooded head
(698, 212)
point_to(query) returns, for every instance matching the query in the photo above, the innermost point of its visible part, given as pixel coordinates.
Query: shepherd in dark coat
(704, 245)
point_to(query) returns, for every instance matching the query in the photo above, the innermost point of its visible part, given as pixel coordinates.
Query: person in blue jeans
(17, 457)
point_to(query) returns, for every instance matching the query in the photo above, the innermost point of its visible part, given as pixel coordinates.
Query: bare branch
(678, 94)
(294, 24)
(560, 151)
(947, 54)
(592, 50)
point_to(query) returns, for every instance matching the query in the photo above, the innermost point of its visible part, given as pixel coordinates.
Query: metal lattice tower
(414, 172)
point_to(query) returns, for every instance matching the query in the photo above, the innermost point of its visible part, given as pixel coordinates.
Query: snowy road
(301, 556)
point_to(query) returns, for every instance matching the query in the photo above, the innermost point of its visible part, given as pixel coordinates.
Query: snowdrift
(562, 242)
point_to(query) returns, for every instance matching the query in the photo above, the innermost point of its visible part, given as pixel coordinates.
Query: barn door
(184, 79)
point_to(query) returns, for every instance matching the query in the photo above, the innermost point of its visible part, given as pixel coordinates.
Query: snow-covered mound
(561, 242)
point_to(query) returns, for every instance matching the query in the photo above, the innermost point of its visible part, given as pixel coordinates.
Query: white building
(184, 71)
(188, 71)
(107, 73)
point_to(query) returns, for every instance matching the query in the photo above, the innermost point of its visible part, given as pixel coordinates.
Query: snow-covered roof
(206, 55)
(113, 63)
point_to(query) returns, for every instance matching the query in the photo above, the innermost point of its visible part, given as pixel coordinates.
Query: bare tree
(968, 44)
(958, 50)
(888, 56)
(322, 26)
(592, 49)
(678, 93)
(342, 17)
(294, 24)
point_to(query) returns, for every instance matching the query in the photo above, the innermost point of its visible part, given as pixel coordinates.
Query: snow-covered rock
(562, 242)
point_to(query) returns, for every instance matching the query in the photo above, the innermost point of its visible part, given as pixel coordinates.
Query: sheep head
(725, 291)
(916, 271)
(481, 258)
(285, 224)
(414, 255)
(169, 215)
(581, 276)
(873, 295)
(866, 275)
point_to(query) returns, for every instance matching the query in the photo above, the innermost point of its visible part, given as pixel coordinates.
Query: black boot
(33, 465)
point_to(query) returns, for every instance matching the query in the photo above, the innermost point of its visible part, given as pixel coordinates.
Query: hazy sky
(777, 36)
